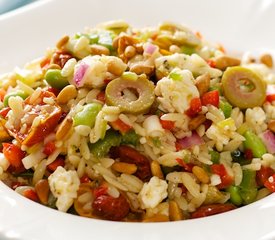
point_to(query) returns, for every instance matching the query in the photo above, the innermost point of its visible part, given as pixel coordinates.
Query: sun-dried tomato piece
(111, 208)
(131, 155)
(46, 115)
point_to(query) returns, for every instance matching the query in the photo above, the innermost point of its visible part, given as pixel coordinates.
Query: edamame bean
(88, 115)
(248, 186)
(235, 196)
(254, 143)
(55, 79)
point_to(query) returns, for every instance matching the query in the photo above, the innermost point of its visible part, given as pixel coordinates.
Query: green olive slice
(243, 88)
(141, 87)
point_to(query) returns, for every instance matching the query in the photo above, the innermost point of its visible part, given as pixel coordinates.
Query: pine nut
(64, 128)
(139, 68)
(99, 50)
(175, 213)
(267, 60)
(202, 83)
(222, 62)
(139, 48)
(156, 170)
(165, 52)
(67, 93)
(157, 218)
(116, 66)
(42, 189)
(123, 167)
(130, 51)
(62, 42)
(201, 174)
(195, 122)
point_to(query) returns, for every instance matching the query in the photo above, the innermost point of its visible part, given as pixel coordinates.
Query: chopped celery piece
(226, 108)
(88, 115)
(102, 146)
(130, 137)
(254, 143)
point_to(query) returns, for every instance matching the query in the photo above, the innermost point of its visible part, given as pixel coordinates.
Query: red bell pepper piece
(167, 124)
(211, 98)
(120, 126)
(195, 107)
(220, 170)
(14, 155)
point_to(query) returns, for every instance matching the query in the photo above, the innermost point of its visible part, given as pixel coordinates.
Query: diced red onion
(268, 139)
(188, 142)
(150, 49)
(79, 74)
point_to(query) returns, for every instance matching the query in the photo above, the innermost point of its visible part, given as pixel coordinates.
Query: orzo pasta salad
(139, 125)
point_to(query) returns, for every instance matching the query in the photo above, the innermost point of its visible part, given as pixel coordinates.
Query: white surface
(25, 33)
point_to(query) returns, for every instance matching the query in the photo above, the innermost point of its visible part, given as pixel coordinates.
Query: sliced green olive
(142, 88)
(243, 88)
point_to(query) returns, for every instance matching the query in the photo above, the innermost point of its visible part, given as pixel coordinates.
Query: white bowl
(240, 25)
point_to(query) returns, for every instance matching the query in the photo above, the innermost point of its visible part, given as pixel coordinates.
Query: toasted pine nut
(222, 62)
(130, 51)
(42, 189)
(195, 122)
(67, 93)
(165, 52)
(123, 167)
(62, 42)
(116, 66)
(139, 68)
(271, 126)
(201, 174)
(115, 42)
(156, 170)
(175, 213)
(99, 50)
(267, 60)
(157, 218)
(139, 48)
(203, 83)
(64, 128)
